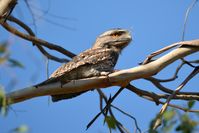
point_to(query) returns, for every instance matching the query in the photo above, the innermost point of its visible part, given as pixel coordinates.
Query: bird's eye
(116, 34)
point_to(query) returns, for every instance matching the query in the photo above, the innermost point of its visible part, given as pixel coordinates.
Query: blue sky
(154, 24)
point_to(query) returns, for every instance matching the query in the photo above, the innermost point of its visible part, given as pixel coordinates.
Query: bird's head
(114, 38)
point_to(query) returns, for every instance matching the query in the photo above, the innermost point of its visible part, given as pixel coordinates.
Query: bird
(99, 60)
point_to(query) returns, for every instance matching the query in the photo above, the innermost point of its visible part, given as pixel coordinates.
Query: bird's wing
(90, 56)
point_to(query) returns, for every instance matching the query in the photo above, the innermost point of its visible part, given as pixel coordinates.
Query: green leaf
(3, 47)
(15, 63)
(190, 104)
(186, 125)
(168, 115)
(2, 60)
(3, 108)
(21, 129)
(111, 122)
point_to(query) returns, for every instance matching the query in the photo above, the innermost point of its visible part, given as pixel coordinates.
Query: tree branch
(164, 107)
(37, 40)
(30, 32)
(114, 79)
(157, 84)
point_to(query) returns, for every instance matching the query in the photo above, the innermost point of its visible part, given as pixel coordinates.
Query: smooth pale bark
(120, 78)
(5, 6)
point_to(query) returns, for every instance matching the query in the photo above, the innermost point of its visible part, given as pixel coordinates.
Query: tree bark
(120, 78)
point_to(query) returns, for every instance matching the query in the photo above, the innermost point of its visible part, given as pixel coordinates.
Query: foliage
(175, 120)
(3, 108)
(21, 129)
(5, 56)
(111, 122)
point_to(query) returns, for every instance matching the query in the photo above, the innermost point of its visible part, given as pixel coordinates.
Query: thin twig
(149, 57)
(42, 50)
(188, 63)
(103, 96)
(123, 112)
(157, 97)
(107, 105)
(174, 76)
(32, 14)
(164, 107)
(157, 84)
(191, 75)
(178, 69)
(194, 61)
(186, 17)
(38, 41)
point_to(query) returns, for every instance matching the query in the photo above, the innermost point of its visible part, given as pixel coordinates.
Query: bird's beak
(124, 41)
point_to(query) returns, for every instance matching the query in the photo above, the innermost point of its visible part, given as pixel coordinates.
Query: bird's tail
(48, 81)
(56, 98)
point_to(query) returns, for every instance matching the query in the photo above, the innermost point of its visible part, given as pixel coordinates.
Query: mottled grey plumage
(100, 59)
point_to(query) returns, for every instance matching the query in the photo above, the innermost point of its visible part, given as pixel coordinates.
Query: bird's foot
(104, 73)
(107, 73)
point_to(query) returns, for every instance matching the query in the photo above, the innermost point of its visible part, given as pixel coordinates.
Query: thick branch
(114, 79)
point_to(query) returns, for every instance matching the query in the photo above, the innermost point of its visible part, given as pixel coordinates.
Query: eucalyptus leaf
(15, 63)
(111, 122)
